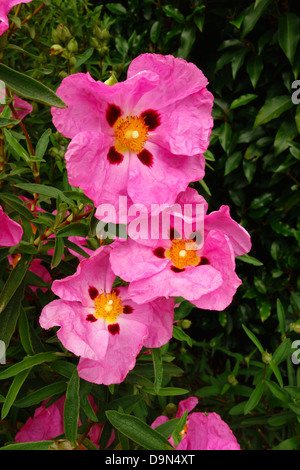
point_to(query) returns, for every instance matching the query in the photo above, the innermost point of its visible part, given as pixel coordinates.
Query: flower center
(184, 431)
(131, 133)
(108, 306)
(183, 253)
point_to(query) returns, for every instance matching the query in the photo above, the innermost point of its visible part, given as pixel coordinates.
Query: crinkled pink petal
(207, 431)
(81, 337)
(159, 420)
(87, 101)
(177, 78)
(47, 423)
(93, 272)
(191, 284)
(10, 231)
(5, 7)
(238, 236)
(120, 356)
(186, 405)
(218, 250)
(160, 328)
(165, 178)
(89, 168)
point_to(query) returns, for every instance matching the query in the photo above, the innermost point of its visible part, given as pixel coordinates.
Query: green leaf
(232, 162)
(17, 205)
(179, 427)
(158, 368)
(9, 316)
(155, 31)
(44, 190)
(28, 362)
(237, 61)
(272, 109)
(181, 335)
(254, 68)
(116, 8)
(8, 122)
(73, 229)
(58, 252)
(288, 34)
(14, 280)
(29, 88)
(38, 445)
(255, 397)
(167, 391)
(71, 408)
(187, 39)
(13, 392)
(174, 13)
(253, 14)
(243, 100)
(250, 260)
(24, 332)
(265, 310)
(277, 391)
(281, 316)
(33, 398)
(292, 443)
(138, 431)
(166, 429)
(253, 339)
(285, 134)
(16, 146)
(42, 144)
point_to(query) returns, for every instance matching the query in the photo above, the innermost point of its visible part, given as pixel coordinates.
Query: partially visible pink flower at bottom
(10, 232)
(48, 423)
(203, 431)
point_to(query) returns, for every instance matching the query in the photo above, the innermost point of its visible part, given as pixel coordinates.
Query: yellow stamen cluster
(131, 134)
(183, 253)
(108, 306)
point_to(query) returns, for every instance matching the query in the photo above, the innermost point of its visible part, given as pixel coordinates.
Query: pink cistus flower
(48, 423)
(10, 232)
(202, 431)
(22, 108)
(143, 137)
(5, 7)
(101, 324)
(202, 273)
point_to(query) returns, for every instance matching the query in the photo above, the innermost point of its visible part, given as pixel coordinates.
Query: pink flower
(203, 274)
(144, 137)
(203, 431)
(22, 108)
(101, 324)
(10, 232)
(48, 423)
(5, 7)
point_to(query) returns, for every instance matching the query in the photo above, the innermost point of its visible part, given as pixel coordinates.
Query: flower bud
(170, 409)
(63, 33)
(112, 80)
(56, 49)
(94, 43)
(266, 357)
(186, 324)
(231, 379)
(295, 327)
(73, 46)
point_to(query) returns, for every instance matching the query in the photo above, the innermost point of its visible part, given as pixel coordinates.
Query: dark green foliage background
(249, 52)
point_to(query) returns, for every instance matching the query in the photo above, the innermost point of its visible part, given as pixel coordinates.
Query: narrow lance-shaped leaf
(272, 109)
(29, 88)
(14, 280)
(158, 368)
(71, 408)
(138, 431)
(13, 392)
(288, 34)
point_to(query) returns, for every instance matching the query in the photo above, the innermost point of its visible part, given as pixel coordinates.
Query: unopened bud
(112, 80)
(61, 444)
(232, 380)
(170, 409)
(72, 46)
(62, 33)
(186, 324)
(266, 357)
(295, 327)
(56, 49)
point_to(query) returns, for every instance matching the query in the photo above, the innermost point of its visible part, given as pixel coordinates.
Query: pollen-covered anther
(131, 134)
(108, 306)
(183, 253)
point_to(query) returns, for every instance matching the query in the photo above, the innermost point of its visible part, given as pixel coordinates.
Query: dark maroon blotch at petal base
(114, 328)
(116, 291)
(91, 318)
(203, 261)
(151, 118)
(177, 270)
(145, 157)
(159, 252)
(114, 157)
(127, 309)
(113, 112)
(93, 292)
